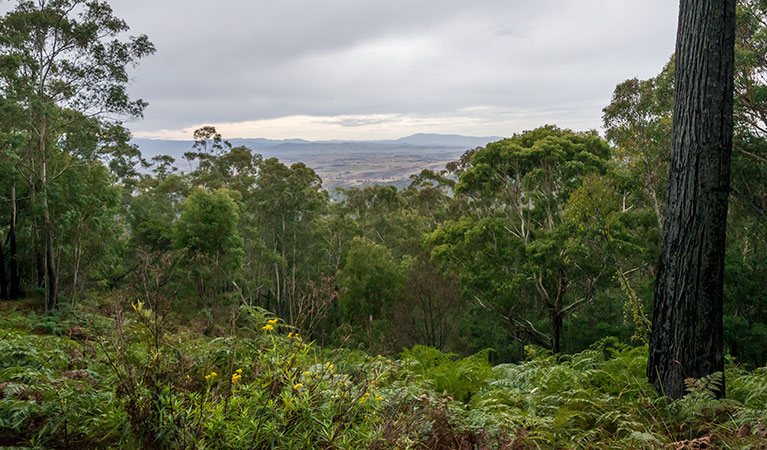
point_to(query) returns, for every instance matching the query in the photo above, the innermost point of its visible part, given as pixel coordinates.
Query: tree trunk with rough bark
(13, 264)
(52, 298)
(556, 330)
(76, 269)
(3, 276)
(686, 340)
(36, 248)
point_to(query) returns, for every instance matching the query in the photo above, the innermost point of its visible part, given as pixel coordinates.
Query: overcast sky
(372, 69)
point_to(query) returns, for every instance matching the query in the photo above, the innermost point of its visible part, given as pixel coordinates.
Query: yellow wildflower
(307, 373)
(297, 386)
(388, 361)
(290, 334)
(236, 377)
(210, 375)
(239, 371)
(273, 321)
(267, 327)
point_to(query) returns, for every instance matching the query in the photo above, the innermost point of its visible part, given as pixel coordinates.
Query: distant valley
(345, 163)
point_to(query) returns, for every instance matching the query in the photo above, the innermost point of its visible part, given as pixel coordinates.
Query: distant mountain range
(448, 140)
(346, 163)
(294, 147)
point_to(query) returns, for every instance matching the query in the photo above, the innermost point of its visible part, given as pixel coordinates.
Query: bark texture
(686, 339)
(3, 279)
(13, 264)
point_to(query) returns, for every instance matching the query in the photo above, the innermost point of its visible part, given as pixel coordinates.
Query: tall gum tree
(638, 121)
(65, 63)
(511, 249)
(687, 337)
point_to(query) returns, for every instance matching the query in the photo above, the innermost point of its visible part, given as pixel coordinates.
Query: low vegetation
(133, 379)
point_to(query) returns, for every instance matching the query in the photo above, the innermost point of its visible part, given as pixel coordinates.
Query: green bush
(135, 381)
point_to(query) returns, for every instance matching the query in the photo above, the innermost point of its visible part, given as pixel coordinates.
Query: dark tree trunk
(556, 330)
(556, 313)
(52, 297)
(50, 264)
(39, 261)
(3, 276)
(13, 264)
(686, 340)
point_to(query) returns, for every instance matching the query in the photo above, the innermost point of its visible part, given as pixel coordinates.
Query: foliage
(532, 271)
(122, 382)
(371, 280)
(638, 123)
(458, 378)
(187, 291)
(207, 230)
(64, 81)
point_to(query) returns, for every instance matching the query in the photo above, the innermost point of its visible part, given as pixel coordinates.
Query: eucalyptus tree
(9, 280)
(396, 219)
(371, 280)
(510, 249)
(687, 330)
(287, 204)
(638, 122)
(86, 209)
(207, 230)
(219, 164)
(65, 66)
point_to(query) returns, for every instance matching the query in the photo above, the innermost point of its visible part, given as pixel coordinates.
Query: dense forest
(503, 302)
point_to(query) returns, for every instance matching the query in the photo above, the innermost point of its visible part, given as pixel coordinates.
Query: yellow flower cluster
(297, 385)
(210, 375)
(366, 396)
(273, 321)
(268, 327)
(236, 376)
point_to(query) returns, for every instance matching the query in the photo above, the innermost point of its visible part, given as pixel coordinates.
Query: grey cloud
(246, 60)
